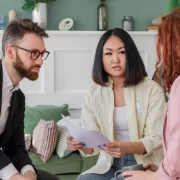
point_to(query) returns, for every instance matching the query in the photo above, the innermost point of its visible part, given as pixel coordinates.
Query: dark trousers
(43, 175)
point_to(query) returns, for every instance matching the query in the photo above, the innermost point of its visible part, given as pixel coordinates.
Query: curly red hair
(168, 49)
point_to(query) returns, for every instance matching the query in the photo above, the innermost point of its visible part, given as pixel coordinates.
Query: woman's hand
(151, 167)
(117, 149)
(74, 145)
(139, 175)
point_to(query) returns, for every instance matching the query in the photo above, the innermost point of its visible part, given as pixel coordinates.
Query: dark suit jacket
(12, 139)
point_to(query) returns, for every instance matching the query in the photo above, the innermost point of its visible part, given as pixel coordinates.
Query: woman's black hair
(135, 69)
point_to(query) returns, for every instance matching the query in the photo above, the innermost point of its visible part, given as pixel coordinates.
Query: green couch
(67, 168)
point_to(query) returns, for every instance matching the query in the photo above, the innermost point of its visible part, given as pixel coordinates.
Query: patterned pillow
(61, 148)
(45, 136)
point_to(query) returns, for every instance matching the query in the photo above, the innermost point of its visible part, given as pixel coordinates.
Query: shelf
(95, 32)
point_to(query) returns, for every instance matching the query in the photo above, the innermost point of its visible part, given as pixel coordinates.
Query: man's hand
(18, 177)
(117, 149)
(30, 175)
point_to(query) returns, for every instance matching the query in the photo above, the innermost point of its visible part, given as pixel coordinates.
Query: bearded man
(23, 55)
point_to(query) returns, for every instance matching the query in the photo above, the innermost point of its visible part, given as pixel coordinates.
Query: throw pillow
(47, 112)
(45, 136)
(61, 148)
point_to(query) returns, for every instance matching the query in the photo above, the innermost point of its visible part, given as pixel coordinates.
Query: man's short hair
(16, 30)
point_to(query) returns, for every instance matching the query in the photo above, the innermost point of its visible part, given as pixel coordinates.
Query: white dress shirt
(7, 90)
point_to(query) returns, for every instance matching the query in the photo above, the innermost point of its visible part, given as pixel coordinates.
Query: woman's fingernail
(99, 147)
(71, 137)
(82, 143)
(104, 144)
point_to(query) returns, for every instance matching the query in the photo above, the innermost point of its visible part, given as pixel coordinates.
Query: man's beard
(23, 71)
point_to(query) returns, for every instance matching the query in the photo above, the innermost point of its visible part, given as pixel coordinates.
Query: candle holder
(12, 15)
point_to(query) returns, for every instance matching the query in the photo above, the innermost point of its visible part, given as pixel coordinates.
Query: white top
(121, 129)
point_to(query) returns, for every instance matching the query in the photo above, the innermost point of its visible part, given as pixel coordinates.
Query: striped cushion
(45, 136)
(61, 148)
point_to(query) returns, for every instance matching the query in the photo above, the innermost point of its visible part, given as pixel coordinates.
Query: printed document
(91, 139)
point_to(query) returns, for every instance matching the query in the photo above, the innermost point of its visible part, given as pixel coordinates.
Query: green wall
(83, 12)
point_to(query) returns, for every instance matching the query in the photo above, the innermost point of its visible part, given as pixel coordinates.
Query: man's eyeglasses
(35, 53)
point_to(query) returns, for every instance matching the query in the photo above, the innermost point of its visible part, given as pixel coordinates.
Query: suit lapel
(8, 129)
(10, 126)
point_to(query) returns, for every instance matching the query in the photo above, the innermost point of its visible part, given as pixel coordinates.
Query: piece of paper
(91, 139)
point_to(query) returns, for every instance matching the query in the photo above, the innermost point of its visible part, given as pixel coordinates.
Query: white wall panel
(66, 74)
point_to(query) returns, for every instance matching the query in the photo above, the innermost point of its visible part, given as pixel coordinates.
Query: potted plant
(172, 4)
(39, 11)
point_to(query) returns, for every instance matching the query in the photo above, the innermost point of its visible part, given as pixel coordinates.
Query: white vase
(39, 14)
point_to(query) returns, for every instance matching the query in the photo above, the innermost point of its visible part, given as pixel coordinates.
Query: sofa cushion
(88, 162)
(48, 112)
(61, 148)
(68, 176)
(45, 136)
(56, 165)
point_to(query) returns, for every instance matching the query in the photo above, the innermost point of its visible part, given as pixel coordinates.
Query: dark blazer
(12, 139)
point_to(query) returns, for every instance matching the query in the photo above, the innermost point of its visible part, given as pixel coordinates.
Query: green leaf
(171, 5)
(44, 1)
(28, 6)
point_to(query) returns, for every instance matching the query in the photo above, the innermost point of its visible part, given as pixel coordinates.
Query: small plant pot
(39, 14)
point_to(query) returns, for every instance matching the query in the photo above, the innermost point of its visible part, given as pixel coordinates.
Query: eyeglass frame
(31, 51)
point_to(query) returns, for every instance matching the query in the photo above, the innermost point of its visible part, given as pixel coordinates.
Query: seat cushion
(68, 176)
(56, 165)
(48, 112)
(88, 162)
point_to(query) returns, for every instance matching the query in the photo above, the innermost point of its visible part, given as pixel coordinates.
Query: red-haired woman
(168, 49)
